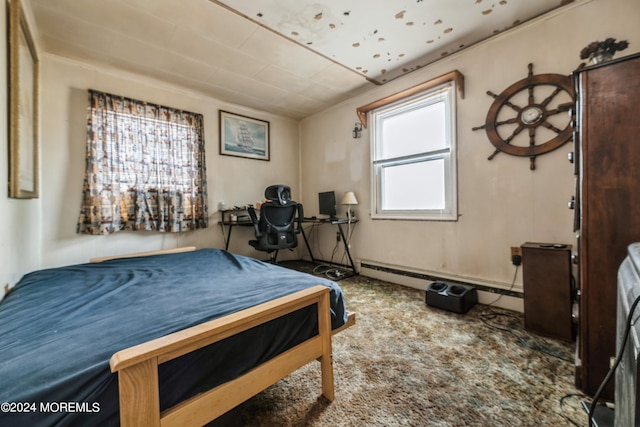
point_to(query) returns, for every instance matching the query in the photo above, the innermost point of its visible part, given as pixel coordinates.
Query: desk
(225, 221)
(230, 224)
(339, 222)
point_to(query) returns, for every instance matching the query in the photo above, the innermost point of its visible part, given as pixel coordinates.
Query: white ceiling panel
(267, 46)
(193, 45)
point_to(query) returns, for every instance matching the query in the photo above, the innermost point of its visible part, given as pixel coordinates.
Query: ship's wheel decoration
(539, 117)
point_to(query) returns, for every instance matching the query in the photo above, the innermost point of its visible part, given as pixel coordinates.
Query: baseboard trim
(433, 278)
(505, 298)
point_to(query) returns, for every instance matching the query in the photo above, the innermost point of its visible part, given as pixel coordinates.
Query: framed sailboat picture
(243, 136)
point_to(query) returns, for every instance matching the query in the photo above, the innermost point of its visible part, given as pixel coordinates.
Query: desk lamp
(349, 199)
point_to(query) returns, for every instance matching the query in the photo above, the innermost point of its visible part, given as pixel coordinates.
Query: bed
(159, 339)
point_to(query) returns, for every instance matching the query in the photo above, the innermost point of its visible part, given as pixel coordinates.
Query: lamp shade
(349, 199)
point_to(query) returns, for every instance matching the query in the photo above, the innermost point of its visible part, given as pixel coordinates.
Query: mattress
(60, 326)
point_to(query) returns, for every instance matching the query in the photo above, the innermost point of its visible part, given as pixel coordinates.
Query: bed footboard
(137, 366)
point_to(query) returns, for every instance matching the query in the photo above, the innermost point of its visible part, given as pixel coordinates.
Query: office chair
(279, 223)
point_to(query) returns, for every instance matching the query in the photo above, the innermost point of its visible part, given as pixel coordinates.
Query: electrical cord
(612, 370)
(336, 272)
(521, 341)
(317, 267)
(538, 348)
(326, 268)
(524, 343)
(513, 282)
(330, 271)
(484, 318)
(333, 252)
(563, 413)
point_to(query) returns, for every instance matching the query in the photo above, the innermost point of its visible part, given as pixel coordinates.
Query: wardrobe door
(609, 132)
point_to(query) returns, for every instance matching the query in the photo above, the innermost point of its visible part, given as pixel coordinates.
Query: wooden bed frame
(137, 366)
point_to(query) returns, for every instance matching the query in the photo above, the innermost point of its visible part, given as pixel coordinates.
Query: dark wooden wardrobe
(607, 145)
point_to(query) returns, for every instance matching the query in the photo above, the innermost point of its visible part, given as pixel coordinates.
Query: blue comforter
(59, 327)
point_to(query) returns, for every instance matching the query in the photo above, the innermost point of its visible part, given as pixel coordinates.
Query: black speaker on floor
(456, 298)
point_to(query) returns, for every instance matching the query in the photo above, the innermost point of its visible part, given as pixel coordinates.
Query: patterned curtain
(145, 168)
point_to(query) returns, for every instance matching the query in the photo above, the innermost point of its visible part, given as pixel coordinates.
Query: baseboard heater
(432, 278)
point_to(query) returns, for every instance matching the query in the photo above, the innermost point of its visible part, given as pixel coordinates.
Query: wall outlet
(516, 255)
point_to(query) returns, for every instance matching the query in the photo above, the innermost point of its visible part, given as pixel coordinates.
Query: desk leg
(306, 242)
(226, 246)
(346, 248)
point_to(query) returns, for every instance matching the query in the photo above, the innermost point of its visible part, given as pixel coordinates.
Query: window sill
(415, 217)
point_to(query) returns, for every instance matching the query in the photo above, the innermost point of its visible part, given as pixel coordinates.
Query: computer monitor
(327, 203)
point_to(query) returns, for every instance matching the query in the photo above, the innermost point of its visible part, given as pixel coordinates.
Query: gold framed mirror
(23, 107)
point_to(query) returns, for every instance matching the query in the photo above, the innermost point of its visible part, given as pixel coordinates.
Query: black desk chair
(279, 223)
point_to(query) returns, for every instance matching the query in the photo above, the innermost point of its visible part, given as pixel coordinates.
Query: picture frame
(23, 107)
(243, 136)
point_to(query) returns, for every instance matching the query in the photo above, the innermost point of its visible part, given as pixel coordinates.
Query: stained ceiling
(288, 57)
(382, 40)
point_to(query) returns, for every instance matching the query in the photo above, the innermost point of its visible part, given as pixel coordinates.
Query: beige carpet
(408, 364)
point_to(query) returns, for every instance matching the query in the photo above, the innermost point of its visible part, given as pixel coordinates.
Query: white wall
(502, 203)
(234, 180)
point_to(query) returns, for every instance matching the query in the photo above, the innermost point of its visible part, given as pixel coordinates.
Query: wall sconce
(357, 130)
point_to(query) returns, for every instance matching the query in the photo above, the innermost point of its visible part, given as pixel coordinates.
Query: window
(145, 168)
(414, 157)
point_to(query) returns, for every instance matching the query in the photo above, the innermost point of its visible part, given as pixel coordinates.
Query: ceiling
(287, 57)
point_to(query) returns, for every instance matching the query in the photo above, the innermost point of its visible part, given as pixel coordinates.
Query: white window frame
(443, 93)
